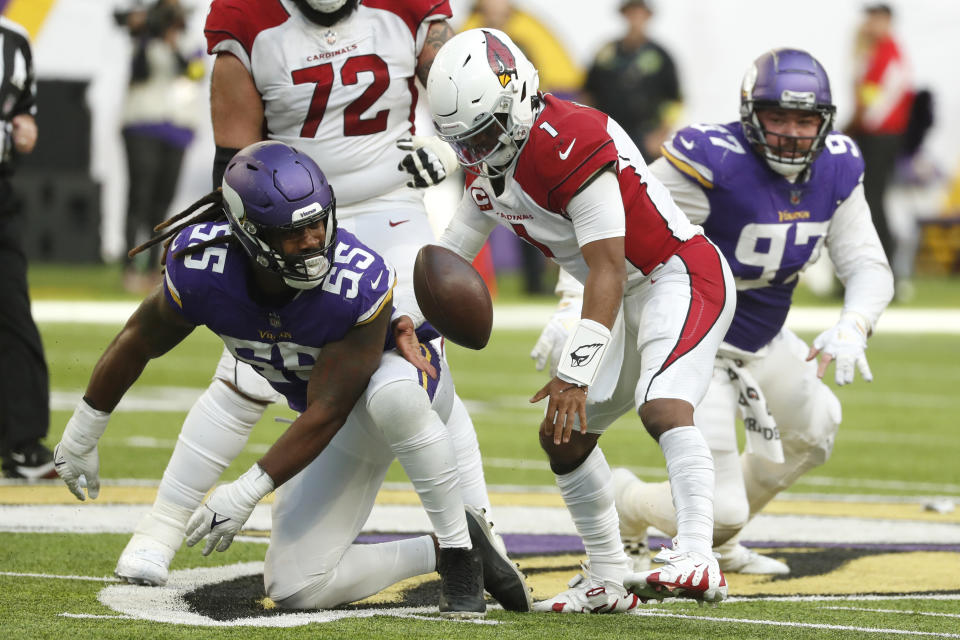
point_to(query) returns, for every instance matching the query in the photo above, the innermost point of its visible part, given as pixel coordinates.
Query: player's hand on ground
(430, 160)
(845, 343)
(566, 402)
(229, 507)
(404, 334)
(549, 347)
(78, 469)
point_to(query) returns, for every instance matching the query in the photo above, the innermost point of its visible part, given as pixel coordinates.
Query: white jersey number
(775, 237)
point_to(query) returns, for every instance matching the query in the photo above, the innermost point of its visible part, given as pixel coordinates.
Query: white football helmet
(483, 97)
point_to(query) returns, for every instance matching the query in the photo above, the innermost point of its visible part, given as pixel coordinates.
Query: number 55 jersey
(342, 94)
(770, 228)
(212, 287)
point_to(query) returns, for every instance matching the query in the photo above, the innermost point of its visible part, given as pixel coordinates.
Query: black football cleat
(461, 583)
(501, 577)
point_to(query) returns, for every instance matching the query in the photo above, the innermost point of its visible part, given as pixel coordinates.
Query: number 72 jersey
(342, 94)
(768, 228)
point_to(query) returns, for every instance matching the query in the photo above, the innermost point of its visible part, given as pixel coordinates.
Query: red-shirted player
(658, 300)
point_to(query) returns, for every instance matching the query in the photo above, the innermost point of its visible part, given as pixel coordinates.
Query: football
(453, 296)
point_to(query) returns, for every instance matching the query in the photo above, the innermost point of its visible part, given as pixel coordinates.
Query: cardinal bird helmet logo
(501, 59)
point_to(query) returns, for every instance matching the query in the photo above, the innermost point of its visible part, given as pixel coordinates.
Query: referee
(24, 384)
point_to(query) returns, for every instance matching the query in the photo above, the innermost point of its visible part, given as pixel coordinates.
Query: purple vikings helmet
(270, 187)
(789, 79)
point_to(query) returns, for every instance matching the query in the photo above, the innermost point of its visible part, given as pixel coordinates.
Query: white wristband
(84, 428)
(582, 353)
(255, 484)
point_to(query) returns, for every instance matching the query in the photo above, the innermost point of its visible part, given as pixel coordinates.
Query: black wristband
(221, 158)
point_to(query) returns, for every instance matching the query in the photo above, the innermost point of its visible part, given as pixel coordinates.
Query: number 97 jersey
(768, 228)
(342, 94)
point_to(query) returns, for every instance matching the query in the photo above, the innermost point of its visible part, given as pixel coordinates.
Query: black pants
(879, 158)
(153, 167)
(24, 382)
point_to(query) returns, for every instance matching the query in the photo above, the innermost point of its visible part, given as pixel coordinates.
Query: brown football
(453, 296)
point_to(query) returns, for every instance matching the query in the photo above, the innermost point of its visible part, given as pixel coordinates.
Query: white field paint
(535, 316)
(764, 528)
(799, 625)
(167, 605)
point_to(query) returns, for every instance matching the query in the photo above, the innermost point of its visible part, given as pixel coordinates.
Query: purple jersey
(282, 342)
(768, 228)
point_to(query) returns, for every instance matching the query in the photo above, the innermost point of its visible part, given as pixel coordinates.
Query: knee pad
(401, 411)
(815, 442)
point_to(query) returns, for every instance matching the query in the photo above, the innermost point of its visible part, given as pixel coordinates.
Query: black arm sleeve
(220, 160)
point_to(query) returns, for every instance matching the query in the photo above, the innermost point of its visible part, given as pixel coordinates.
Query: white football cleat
(633, 532)
(589, 595)
(740, 559)
(684, 574)
(145, 561)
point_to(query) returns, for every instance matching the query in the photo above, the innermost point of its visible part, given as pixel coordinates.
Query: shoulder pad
(241, 20)
(569, 143)
(414, 12)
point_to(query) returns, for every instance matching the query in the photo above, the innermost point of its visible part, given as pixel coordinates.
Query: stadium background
(712, 42)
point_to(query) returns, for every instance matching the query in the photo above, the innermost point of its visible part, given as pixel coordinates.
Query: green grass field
(898, 444)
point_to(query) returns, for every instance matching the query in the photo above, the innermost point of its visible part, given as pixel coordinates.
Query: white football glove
(549, 346)
(430, 160)
(844, 342)
(75, 457)
(228, 509)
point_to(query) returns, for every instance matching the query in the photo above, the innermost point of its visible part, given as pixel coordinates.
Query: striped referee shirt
(18, 84)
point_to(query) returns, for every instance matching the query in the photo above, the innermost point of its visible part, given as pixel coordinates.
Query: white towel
(763, 437)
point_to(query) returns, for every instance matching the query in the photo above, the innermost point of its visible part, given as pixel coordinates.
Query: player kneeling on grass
(309, 306)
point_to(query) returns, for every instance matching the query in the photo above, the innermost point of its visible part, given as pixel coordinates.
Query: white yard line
(799, 625)
(522, 519)
(903, 611)
(59, 577)
(535, 316)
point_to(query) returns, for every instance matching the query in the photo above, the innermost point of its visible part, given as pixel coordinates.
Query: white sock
(366, 569)
(213, 435)
(588, 493)
(419, 439)
(473, 485)
(690, 469)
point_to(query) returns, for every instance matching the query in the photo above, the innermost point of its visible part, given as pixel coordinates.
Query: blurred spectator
(158, 122)
(559, 75)
(634, 80)
(914, 194)
(884, 95)
(24, 393)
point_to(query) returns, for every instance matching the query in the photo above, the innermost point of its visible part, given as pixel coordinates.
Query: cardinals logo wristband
(582, 353)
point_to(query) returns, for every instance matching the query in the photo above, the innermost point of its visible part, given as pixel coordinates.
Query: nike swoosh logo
(565, 154)
(214, 523)
(377, 281)
(393, 224)
(687, 145)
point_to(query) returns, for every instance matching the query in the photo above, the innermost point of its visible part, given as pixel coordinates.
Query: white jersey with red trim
(343, 94)
(568, 145)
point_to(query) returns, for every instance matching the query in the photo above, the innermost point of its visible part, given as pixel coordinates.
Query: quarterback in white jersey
(659, 298)
(336, 79)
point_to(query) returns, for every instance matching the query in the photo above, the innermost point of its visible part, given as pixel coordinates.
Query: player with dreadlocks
(308, 305)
